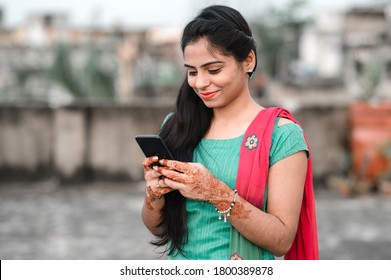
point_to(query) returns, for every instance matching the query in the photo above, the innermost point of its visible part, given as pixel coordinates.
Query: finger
(151, 174)
(159, 189)
(183, 189)
(161, 183)
(174, 175)
(183, 167)
(152, 177)
(165, 190)
(148, 161)
(174, 185)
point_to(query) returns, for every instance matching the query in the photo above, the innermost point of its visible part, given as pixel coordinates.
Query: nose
(202, 81)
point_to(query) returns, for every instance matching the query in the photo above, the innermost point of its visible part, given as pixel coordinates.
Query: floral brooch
(251, 142)
(235, 256)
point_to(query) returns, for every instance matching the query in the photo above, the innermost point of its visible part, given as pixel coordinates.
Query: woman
(207, 203)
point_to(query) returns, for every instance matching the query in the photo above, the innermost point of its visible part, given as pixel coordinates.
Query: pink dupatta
(252, 180)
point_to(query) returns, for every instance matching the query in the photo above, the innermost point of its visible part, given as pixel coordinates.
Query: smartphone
(153, 145)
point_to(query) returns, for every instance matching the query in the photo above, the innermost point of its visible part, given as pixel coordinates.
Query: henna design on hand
(238, 209)
(158, 192)
(148, 161)
(200, 183)
(150, 198)
(154, 190)
(148, 202)
(155, 194)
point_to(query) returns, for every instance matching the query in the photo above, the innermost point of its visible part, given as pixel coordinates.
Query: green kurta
(208, 236)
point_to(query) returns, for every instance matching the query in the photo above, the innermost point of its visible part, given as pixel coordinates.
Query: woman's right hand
(155, 186)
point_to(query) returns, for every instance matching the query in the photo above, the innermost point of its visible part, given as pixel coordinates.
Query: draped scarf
(251, 184)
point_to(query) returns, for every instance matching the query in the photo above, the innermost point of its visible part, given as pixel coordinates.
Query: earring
(250, 73)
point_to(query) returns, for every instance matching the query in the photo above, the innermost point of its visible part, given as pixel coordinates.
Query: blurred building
(47, 60)
(141, 63)
(1, 18)
(320, 49)
(367, 52)
(350, 49)
(334, 49)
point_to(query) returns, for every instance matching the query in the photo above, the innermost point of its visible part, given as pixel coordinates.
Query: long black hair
(227, 32)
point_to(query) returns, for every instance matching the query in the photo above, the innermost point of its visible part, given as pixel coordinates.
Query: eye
(191, 73)
(214, 71)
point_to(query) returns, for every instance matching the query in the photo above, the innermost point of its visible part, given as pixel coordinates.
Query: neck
(232, 120)
(241, 108)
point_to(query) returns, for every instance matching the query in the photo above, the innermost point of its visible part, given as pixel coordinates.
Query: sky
(142, 13)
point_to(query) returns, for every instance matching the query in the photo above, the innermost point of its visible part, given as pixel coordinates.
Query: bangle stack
(227, 213)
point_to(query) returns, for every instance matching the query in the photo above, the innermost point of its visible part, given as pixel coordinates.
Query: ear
(249, 63)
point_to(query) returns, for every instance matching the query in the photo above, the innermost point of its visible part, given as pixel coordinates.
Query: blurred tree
(21, 88)
(62, 71)
(278, 30)
(369, 79)
(89, 83)
(93, 80)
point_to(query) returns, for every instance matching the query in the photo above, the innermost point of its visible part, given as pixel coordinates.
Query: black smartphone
(153, 145)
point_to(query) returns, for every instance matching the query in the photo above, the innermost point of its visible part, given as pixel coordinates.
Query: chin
(214, 105)
(209, 105)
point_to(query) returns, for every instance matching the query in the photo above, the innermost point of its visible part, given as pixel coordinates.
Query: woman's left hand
(194, 181)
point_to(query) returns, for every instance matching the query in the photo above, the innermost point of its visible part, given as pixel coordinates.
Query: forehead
(202, 51)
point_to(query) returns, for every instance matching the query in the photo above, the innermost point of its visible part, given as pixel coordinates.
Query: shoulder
(166, 119)
(286, 132)
(169, 115)
(287, 138)
(284, 128)
(281, 121)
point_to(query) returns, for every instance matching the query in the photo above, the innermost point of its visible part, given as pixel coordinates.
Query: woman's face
(216, 78)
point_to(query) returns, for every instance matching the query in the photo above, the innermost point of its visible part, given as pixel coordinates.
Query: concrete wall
(78, 143)
(326, 129)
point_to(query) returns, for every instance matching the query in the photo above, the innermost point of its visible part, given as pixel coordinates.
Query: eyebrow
(204, 65)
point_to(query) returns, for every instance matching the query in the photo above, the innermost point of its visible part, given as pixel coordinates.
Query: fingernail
(155, 158)
(155, 167)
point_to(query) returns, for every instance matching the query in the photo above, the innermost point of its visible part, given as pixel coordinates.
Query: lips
(208, 95)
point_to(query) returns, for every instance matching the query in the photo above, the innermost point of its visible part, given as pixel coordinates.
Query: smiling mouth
(208, 95)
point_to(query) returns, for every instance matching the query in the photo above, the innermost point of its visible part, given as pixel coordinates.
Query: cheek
(191, 81)
(229, 82)
(223, 80)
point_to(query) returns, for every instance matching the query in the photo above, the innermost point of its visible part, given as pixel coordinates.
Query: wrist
(153, 202)
(224, 207)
